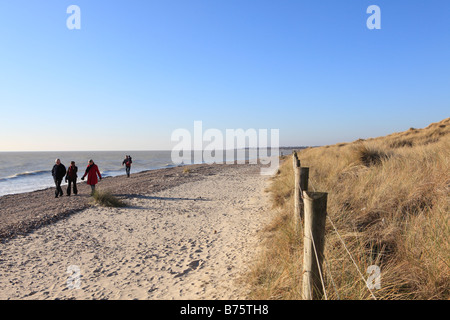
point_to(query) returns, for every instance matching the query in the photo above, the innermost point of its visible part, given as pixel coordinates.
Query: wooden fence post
(315, 204)
(304, 177)
(297, 191)
(295, 160)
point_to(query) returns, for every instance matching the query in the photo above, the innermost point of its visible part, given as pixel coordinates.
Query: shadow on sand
(140, 196)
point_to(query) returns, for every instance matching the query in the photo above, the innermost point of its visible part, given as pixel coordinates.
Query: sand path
(191, 241)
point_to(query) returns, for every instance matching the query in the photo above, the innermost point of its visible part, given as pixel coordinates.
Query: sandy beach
(182, 236)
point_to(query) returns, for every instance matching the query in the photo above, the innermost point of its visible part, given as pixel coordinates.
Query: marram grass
(106, 199)
(389, 200)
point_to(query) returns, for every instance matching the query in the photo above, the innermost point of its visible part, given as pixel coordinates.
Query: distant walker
(127, 162)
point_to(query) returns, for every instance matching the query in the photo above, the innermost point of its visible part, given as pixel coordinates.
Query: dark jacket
(72, 173)
(127, 162)
(58, 171)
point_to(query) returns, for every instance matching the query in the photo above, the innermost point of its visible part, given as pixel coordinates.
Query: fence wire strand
(351, 257)
(346, 249)
(318, 265)
(331, 277)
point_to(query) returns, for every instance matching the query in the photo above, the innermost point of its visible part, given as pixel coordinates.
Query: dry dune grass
(389, 200)
(107, 199)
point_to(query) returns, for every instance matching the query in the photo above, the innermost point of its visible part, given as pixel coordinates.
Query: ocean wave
(26, 174)
(111, 173)
(168, 165)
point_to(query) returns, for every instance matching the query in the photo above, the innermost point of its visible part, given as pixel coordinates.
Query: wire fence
(308, 235)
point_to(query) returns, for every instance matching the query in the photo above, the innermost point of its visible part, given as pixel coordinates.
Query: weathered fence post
(295, 160)
(297, 191)
(315, 205)
(304, 177)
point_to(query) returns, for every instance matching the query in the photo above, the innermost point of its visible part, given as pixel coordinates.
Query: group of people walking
(70, 175)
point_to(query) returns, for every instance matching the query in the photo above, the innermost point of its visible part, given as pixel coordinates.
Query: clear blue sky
(138, 70)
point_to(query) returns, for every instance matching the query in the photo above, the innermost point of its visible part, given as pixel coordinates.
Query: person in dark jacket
(92, 172)
(71, 178)
(58, 173)
(127, 162)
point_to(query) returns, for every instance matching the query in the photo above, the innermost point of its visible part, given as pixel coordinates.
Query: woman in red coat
(92, 172)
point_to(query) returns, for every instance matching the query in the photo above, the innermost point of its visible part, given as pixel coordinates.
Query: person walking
(71, 178)
(58, 173)
(92, 172)
(127, 162)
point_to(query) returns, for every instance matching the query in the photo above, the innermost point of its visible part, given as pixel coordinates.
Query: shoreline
(20, 213)
(79, 182)
(185, 234)
(105, 173)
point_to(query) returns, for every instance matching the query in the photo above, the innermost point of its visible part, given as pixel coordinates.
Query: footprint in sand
(193, 265)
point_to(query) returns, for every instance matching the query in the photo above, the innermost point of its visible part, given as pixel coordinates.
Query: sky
(138, 70)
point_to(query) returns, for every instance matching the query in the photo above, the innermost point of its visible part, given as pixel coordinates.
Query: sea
(29, 171)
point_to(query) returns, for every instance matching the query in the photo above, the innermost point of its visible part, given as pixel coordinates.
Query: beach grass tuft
(368, 155)
(106, 199)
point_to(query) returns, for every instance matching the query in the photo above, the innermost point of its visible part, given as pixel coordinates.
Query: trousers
(72, 182)
(58, 191)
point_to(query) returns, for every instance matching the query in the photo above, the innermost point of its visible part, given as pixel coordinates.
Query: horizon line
(144, 150)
